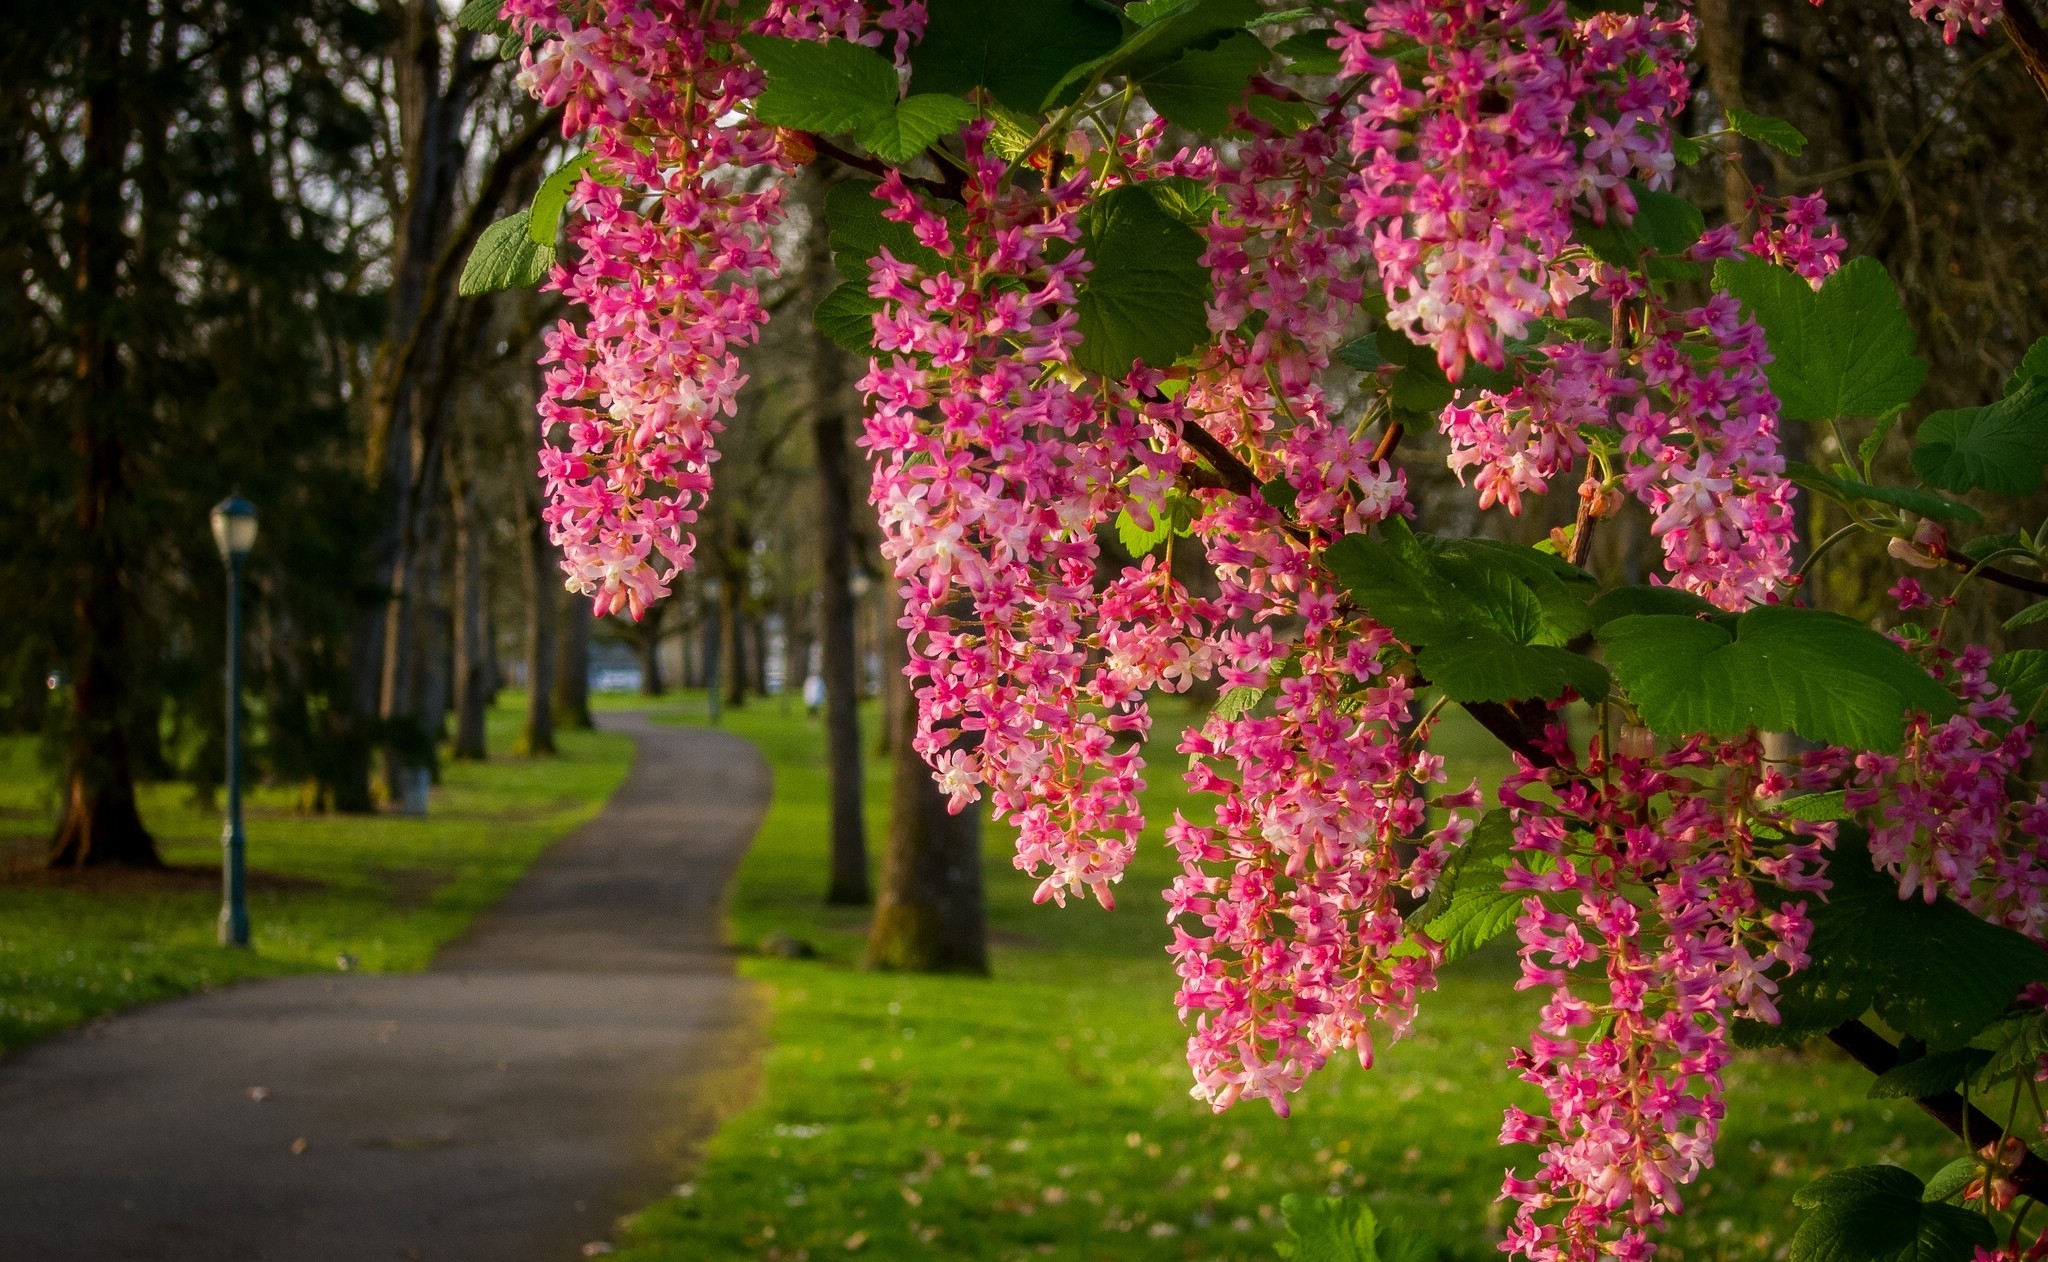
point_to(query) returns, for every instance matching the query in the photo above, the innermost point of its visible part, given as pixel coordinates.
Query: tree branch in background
(2027, 36)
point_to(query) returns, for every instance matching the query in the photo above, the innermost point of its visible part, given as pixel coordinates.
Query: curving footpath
(546, 1075)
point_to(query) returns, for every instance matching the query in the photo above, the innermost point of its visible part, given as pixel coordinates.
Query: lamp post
(234, 530)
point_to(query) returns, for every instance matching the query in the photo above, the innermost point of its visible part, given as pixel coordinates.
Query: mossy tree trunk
(931, 916)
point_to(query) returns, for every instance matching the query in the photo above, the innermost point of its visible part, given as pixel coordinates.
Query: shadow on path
(543, 1077)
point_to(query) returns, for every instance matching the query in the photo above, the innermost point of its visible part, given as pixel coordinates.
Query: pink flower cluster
(1956, 14)
(993, 470)
(1468, 173)
(666, 255)
(664, 262)
(1632, 1043)
(1947, 814)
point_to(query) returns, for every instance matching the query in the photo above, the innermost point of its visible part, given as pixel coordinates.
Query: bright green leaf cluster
(1488, 619)
(1774, 668)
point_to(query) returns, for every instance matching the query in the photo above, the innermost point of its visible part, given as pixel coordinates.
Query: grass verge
(385, 890)
(1043, 1113)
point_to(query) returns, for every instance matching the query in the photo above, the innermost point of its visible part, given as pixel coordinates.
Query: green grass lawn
(1044, 1112)
(384, 889)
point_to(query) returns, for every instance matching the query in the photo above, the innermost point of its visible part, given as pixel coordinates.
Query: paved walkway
(542, 1078)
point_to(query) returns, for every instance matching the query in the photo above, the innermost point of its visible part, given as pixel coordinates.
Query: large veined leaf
(1019, 52)
(907, 128)
(858, 232)
(847, 316)
(1146, 298)
(1341, 1229)
(1486, 623)
(831, 86)
(2033, 364)
(2023, 674)
(1846, 350)
(1877, 1214)
(1933, 971)
(1165, 30)
(1201, 89)
(552, 198)
(1823, 676)
(1775, 132)
(506, 257)
(1999, 448)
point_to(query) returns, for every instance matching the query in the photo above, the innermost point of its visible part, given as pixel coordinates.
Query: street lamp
(234, 530)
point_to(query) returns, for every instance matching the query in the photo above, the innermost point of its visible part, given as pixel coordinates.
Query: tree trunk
(836, 611)
(101, 824)
(732, 640)
(543, 581)
(931, 917)
(1720, 38)
(472, 639)
(572, 671)
(651, 682)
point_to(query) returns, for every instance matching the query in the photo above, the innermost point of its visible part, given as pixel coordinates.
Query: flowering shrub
(1162, 289)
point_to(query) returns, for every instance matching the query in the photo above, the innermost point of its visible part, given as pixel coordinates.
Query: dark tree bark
(572, 667)
(472, 638)
(101, 824)
(543, 582)
(651, 682)
(732, 638)
(931, 916)
(836, 612)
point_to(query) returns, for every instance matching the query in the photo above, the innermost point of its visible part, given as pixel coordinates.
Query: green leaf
(2024, 674)
(1328, 1229)
(506, 257)
(1664, 226)
(1866, 451)
(1481, 664)
(552, 198)
(1202, 90)
(1623, 602)
(907, 129)
(1930, 1075)
(1687, 150)
(1776, 133)
(1139, 540)
(1933, 971)
(1309, 52)
(2012, 1048)
(1952, 1178)
(1146, 299)
(1187, 199)
(824, 87)
(1849, 491)
(482, 17)
(858, 232)
(2027, 617)
(1823, 676)
(1019, 52)
(1876, 1214)
(1844, 351)
(2033, 364)
(1485, 621)
(1817, 807)
(1286, 117)
(1483, 855)
(1166, 29)
(1997, 448)
(1237, 702)
(847, 316)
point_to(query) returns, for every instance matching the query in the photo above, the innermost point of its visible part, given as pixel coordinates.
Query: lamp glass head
(234, 527)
